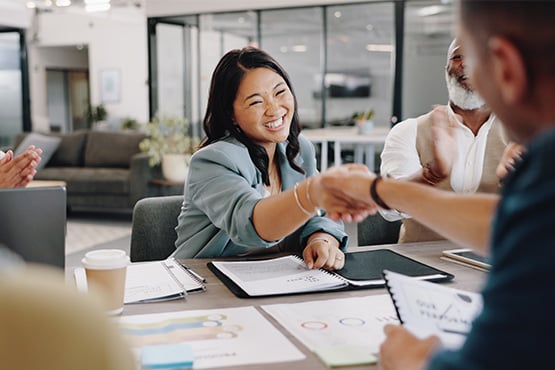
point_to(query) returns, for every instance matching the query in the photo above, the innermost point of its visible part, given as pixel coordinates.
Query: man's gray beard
(461, 97)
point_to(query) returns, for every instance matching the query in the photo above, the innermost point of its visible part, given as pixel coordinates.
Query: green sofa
(103, 170)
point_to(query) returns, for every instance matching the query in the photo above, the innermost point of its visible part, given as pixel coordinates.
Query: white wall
(13, 13)
(115, 42)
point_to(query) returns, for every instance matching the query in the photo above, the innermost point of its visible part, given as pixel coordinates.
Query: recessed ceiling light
(31, 5)
(63, 3)
(337, 14)
(430, 10)
(387, 48)
(299, 48)
(92, 8)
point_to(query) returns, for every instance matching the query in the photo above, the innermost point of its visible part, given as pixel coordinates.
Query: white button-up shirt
(400, 158)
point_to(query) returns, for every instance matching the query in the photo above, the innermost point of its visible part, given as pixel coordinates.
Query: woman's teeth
(274, 124)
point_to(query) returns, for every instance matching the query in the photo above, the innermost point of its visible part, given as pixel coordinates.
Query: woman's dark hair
(218, 120)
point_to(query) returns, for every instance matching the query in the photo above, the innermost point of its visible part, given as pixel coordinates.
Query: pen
(197, 276)
(189, 270)
(192, 272)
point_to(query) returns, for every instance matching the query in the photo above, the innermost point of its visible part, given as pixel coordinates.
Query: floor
(90, 231)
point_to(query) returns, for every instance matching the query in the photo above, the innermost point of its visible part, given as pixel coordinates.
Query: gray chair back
(153, 227)
(376, 230)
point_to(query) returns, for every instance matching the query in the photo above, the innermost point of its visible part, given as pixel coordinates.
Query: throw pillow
(48, 144)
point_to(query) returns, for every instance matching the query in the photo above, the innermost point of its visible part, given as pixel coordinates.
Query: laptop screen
(33, 223)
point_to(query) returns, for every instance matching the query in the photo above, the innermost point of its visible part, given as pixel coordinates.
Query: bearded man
(462, 157)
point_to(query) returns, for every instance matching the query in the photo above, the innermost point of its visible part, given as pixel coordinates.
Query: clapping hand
(444, 145)
(511, 155)
(16, 172)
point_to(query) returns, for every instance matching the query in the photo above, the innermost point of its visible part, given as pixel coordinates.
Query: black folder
(362, 270)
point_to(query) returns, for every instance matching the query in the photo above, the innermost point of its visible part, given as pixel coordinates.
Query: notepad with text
(289, 274)
(159, 281)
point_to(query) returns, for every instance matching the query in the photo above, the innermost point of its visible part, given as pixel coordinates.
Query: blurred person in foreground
(509, 48)
(46, 324)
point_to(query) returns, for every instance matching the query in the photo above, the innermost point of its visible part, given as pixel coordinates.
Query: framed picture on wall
(110, 85)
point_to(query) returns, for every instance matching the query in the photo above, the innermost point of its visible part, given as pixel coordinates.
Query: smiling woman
(249, 186)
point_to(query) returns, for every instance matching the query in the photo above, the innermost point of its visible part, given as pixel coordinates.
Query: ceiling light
(92, 8)
(386, 48)
(370, 27)
(337, 14)
(63, 3)
(31, 5)
(299, 48)
(95, 2)
(430, 10)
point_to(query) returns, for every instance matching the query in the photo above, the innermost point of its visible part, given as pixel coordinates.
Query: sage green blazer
(223, 186)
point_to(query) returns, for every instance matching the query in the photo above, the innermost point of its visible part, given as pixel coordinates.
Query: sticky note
(167, 356)
(345, 355)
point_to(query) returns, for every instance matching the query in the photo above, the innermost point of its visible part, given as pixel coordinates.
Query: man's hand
(444, 145)
(511, 155)
(403, 351)
(19, 171)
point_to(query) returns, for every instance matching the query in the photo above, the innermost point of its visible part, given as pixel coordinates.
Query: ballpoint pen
(197, 276)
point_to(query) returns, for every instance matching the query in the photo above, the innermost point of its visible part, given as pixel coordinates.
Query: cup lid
(105, 259)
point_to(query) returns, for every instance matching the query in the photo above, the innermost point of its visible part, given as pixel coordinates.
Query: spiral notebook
(289, 274)
(425, 308)
(160, 281)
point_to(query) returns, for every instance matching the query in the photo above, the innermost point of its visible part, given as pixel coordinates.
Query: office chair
(376, 230)
(153, 227)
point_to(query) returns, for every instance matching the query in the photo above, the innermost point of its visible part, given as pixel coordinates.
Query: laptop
(33, 223)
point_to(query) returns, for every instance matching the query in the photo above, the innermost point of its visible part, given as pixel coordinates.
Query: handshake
(348, 192)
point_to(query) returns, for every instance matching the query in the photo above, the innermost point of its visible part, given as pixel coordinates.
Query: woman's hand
(322, 251)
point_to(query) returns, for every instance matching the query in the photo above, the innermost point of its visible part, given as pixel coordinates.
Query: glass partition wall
(342, 59)
(14, 114)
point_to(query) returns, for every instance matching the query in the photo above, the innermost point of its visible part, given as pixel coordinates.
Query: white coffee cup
(106, 269)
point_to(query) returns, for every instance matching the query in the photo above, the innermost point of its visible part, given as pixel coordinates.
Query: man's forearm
(462, 218)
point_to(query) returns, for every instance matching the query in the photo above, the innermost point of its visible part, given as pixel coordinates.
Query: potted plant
(364, 120)
(168, 143)
(130, 124)
(97, 116)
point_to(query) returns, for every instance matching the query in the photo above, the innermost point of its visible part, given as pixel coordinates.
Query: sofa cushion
(111, 149)
(48, 145)
(71, 149)
(89, 180)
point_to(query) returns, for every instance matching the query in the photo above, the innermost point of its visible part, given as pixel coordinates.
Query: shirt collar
(484, 129)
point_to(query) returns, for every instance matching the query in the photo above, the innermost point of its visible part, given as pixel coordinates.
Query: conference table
(365, 144)
(218, 295)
